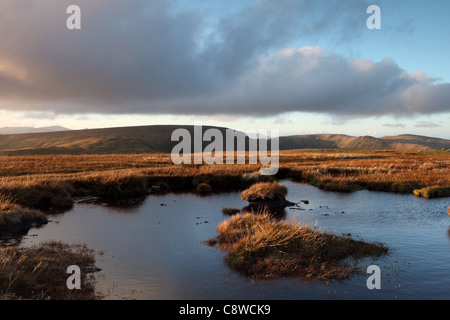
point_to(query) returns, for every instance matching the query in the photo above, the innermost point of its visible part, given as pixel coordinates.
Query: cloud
(219, 117)
(153, 57)
(394, 125)
(279, 120)
(426, 124)
(309, 79)
(39, 115)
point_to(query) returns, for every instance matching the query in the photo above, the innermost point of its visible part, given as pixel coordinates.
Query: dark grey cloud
(152, 57)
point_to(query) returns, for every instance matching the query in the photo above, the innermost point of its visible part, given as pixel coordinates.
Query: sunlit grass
(52, 181)
(264, 191)
(261, 247)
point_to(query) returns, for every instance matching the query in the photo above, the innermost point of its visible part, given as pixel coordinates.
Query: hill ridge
(157, 139)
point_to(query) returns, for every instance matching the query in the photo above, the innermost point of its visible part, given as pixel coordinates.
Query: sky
(299, 66)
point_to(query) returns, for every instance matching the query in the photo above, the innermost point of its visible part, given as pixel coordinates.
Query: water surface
(156, 250)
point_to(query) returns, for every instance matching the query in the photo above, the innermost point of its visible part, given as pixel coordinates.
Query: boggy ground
(31, 185)
(51, 182)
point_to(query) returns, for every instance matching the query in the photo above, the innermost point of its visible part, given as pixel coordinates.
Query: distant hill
(157, 139)
(17, 130)
(414, 140)
(340, 141)
(141, 139)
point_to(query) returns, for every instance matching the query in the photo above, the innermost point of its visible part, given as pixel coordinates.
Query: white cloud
(394, 125)
(427, 124)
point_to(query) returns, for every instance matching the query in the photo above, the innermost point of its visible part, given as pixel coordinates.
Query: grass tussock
(14, 217)
(432, 192)
(269, 195)
(39, 272)
(260, 247)
(264, 191)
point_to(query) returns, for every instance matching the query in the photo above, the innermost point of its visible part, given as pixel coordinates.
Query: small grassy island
(270, 194)
(261, 247)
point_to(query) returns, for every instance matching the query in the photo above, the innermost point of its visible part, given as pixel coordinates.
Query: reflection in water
(278, 213)
(122, 204)
(155, 249)
(12, 238)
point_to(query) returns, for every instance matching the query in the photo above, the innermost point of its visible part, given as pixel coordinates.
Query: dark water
(156, 250)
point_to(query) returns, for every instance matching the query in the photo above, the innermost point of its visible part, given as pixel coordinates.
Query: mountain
(414, 140)
(157, 139)
(339, 141)
(17, 130)
(141, 139)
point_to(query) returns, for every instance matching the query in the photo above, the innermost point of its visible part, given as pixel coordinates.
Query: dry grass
(45, 182)
(389, 171)
(433, 192)
(260, 247)
(40, 272)
(13, 217)
(264, 191)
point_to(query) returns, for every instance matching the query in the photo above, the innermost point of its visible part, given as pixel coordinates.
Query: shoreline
(53, 184)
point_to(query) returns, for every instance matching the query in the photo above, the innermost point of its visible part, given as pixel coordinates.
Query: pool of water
(156, 250)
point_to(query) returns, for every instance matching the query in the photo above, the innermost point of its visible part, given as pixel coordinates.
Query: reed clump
(432, 192)
(39, 273)
(264, 191)
(14, 217)
(261, 247)
(266, 195)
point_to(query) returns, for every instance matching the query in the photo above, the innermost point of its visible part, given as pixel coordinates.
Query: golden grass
(40, 272)
(261, 247)
(264, 191)
(52, 181)
(433, 192)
